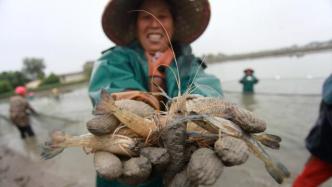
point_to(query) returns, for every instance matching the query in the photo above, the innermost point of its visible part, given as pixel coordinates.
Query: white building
(72, 77)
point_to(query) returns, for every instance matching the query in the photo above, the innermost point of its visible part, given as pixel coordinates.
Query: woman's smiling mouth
(154, 37)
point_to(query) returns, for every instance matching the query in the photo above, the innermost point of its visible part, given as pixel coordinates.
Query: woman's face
(150, 32)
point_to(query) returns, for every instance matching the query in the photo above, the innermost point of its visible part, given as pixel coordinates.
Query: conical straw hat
(191, 19)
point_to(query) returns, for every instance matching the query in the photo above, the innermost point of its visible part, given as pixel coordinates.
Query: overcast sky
(67, 33)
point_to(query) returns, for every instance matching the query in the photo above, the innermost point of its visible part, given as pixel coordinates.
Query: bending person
(19, 112)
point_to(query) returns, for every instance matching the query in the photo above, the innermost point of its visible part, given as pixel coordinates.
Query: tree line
(33, 69)
(211, 58)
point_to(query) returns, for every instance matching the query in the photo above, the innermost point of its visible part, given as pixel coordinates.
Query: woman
(143, 31)
(142, 45)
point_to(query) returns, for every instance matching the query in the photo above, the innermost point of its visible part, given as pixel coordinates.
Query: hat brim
(192, 18)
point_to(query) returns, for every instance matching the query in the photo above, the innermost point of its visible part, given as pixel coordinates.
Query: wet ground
(20, 159)
(289, 116)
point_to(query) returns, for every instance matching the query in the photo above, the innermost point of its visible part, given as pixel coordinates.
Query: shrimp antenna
(195, 76)
(118, 129)
(171, 46)
(208, 87)
(165, 105)
(191, 87)
(163, 93)
(161, 89)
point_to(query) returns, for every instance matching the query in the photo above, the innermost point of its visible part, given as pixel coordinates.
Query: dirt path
(16, 170)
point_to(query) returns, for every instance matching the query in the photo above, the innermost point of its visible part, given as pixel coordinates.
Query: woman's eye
(147, 17)
(162, 17)
(144, 17)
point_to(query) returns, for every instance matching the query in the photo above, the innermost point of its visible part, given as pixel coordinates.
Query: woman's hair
(170, 4)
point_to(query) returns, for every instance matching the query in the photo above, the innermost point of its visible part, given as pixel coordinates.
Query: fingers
(232, 151)
(102, 124)
(131, 171)
(107, 165)
(247, 120)
(158, 157)
(136, 170)
(181, 179)
(106, 123)
(204, 167)
(173, 137)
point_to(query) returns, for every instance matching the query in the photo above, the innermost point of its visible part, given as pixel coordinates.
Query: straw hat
(191, 19)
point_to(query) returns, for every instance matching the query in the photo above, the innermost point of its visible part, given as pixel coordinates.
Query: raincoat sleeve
(206, 84)
(327, 90)
(114, 73)
(200, 82)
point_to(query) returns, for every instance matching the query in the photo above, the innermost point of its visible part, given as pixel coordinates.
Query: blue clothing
(319, 140)
(327, 90)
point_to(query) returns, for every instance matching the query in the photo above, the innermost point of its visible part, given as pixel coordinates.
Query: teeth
(154, 37)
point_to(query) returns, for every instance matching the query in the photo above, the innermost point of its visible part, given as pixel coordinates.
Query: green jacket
(125, 68)
(248, 83)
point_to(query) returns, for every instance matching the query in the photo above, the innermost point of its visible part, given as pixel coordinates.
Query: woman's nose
(155, 23)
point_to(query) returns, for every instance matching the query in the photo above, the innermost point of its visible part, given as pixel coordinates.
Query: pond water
(287, 97)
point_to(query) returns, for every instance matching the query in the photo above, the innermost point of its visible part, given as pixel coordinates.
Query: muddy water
(72, 167)
(289, 116)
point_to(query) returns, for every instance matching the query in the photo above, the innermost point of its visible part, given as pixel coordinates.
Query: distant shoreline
(297, 51)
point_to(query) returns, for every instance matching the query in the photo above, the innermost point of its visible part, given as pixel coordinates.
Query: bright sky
(67, 33)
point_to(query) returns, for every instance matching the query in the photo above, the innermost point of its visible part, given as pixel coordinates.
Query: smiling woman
(148, 34)
(151, 35)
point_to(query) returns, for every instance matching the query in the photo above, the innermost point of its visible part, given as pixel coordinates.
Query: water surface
(287, 97)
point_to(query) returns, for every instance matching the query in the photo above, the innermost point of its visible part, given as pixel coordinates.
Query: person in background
(19, 112)
(248, 81)
(136, 65)
(319, 165)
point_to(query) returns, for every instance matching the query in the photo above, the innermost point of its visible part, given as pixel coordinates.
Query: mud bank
(19, 171)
